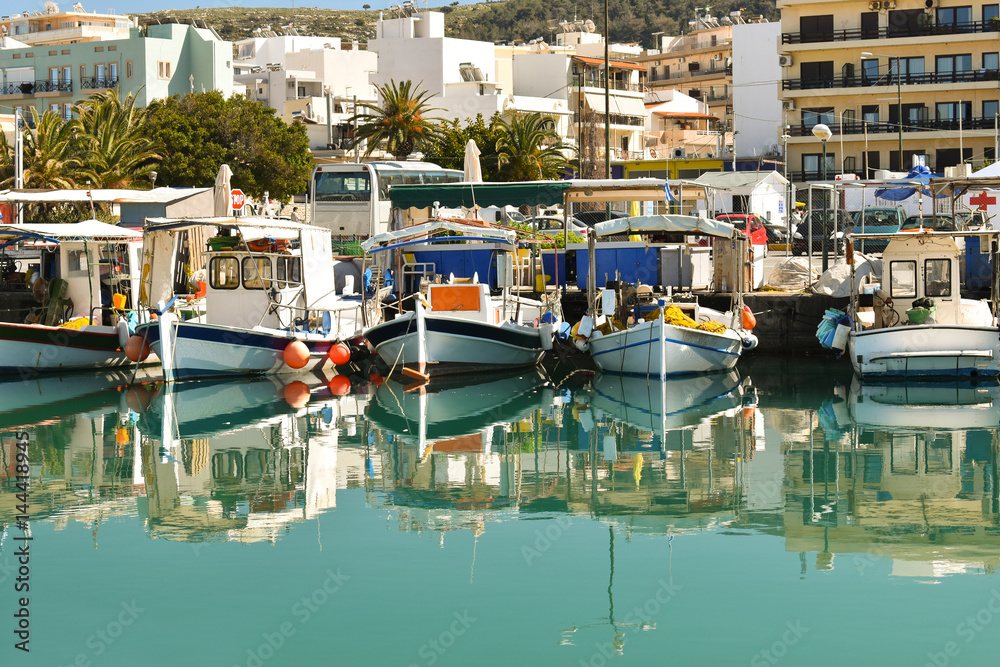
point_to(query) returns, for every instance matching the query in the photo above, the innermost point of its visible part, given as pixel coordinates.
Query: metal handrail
(862, 81)
(851, 34)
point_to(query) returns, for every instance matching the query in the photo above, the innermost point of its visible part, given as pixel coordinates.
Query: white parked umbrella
(223, 188)
(473, 170)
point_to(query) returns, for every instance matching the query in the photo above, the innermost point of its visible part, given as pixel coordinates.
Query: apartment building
(892, 79)
(51, 60)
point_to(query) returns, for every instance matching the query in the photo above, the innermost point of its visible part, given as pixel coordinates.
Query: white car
(553, 225)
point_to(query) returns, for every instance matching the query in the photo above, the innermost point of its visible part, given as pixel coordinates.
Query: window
(869, 72)
(991, 12)
(812, 117)
(67, 74)
(869, 25)
(817, 74)
(98, 49)
(67, 111)
(343, 186)
(128, 69)
(912, 69)
(113, 71)
(224, 273)
(950, 68)
(163, 69)
(952, 111)
(99, 70)
(991, 61)
(869, 114)
(903, 279)
(811, 163)
(112, 48)
(257, 272)
(908, 160)
(954, 17)
(914, 115)
(816, 28)
(907, 22)
(83, 73)
(937, 277)
(873, 160)
(991, 108)
(54, 77)
(289, 270)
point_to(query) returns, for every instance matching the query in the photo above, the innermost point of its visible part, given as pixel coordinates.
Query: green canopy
(453, 195)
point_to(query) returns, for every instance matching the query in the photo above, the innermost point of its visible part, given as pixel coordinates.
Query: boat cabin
(244, 285)
(472, 300)
(922, 266)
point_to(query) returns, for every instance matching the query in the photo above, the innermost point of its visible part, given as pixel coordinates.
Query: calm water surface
(775, 516)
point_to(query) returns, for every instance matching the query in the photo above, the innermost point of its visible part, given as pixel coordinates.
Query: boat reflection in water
(911, 477)
(242, 460)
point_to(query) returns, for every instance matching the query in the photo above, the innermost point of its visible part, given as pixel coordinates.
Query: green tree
(118, 154)
(51, 153)
(530, 149)
(400, 125)
(199, 132)
(449, 150)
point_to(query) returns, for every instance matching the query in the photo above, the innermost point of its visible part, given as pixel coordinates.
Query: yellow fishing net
(676, 317)
(76, 323)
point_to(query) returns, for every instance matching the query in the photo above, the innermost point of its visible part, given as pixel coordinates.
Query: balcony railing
(921, 125)
(616, 119)
(719, 97)
(804, 176)
(694, 46)
(53, 86)
(17, 88)
(690, 74)
(852, 34)
(854, 81)
(98, 82)
(598, 82)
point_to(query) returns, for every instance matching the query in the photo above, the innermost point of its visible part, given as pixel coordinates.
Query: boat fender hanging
(749, 321)
(296, 354)
(136, 349)
(339, 354)
(749, 341)
(123, 333)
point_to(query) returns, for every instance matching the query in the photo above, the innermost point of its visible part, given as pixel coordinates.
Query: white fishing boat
(920, 326)
(271, 300)
(458, 325)
(640, 334)
(82, 288)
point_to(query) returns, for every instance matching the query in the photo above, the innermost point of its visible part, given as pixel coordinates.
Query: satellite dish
(588, 26)
(77, 7)
(51, 7)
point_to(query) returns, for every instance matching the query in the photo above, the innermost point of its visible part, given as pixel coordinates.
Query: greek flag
(669, 195)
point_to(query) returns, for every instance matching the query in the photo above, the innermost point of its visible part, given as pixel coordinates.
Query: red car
(757, 231)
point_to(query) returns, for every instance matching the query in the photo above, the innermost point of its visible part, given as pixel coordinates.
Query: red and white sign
(237, 199)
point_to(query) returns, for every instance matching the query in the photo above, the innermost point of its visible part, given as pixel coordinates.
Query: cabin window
(257, 272)
(937, 277)
(224, 273)
(289, 270)
(903, 279)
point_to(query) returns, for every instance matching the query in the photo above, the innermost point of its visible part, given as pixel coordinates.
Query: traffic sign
(237, 198)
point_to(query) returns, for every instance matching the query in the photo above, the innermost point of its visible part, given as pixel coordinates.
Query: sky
(8, 6)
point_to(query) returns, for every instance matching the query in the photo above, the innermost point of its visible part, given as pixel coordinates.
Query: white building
(756, 87)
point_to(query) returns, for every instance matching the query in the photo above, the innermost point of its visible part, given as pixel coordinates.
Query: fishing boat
(920, 326)
(639, 333)
(271, 300)
(458, 325)
(77, 296)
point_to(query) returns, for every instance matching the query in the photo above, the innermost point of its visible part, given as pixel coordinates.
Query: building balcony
(92, 82)
(700, 45)
(618, 120)
(895, 32)
(53, 88)
(18, 88)
(922, 125)
(597, 84)
(854, 81)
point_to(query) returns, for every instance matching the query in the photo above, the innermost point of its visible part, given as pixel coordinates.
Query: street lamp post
(822, 132)
(899, 99)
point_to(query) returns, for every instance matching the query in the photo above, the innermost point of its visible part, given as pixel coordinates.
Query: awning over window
(623, 106)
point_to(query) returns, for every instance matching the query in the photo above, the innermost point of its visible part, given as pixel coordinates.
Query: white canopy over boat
(686, 224)
(251, 228)
(87, 230)
(424, 230)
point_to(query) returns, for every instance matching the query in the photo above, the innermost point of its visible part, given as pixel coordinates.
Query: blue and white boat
(268, 285)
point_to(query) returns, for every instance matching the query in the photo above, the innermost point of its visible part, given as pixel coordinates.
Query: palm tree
(401, 123)
(530, 149)
(118, 153)
(51, 152)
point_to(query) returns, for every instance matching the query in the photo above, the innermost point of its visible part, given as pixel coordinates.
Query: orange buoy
(296, 354)
(138, 398)
(339, 354)
(376, 379)
(297, 394)
(749, 321)
(340, 385)
(121, 436)
(136, 349)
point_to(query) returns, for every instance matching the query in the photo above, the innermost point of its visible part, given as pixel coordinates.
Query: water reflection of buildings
(655, 456)
(909, 474)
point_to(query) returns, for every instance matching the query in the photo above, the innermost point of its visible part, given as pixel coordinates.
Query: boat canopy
(687, 224)
(419, 233)
(251, 228)
(87, 230)
(455, 195)
(98, 195)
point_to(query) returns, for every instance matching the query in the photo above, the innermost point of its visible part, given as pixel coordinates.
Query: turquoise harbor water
(778, 516)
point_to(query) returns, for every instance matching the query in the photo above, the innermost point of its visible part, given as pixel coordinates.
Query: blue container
(549, 264)
(462, 262)
(978, 268)
(633, 262)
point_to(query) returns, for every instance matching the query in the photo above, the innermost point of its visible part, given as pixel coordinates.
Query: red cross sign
(982, 200)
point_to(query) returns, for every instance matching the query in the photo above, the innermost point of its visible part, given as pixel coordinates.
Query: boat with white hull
(73, 330)
(956, 337)
(272, 287)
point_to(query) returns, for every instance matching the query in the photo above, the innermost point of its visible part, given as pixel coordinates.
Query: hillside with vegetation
(632, 21)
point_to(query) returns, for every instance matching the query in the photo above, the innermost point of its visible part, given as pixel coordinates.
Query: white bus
(344, 201)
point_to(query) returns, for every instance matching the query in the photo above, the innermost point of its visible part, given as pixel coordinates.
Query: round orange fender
(296, 354)
(749, 321)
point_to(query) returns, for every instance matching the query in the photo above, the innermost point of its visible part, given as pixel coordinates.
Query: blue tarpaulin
(919, 175)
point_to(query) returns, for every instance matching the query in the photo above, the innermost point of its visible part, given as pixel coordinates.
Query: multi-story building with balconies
(51, 60)
(892, 79)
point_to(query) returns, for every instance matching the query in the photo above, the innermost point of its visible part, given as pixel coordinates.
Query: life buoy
(652, 152)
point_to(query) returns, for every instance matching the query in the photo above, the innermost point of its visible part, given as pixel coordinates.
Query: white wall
(756, 78)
